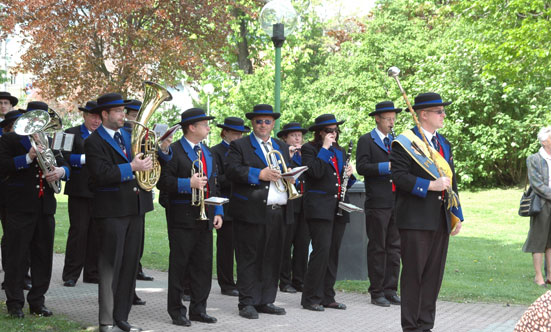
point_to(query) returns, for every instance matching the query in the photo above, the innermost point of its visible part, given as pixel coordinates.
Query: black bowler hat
(109, 100)
(429, 99)
(235, 124)
(262, 109)
(89, 106)
(37, 105)
(6, 95)
(290, 127)
(324, 120)
(193, 115)
(10, 117)
(133, 106)
(383, 107)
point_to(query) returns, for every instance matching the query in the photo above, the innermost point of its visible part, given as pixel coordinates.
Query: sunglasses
(439, 112)
(267, 122)
(331, 130)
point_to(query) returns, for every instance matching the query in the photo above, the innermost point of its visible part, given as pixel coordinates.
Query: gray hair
(544, 134)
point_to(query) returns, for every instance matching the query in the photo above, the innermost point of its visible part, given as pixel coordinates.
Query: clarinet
(345, 176)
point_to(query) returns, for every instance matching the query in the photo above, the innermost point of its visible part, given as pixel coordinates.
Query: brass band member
(293, 266)
(422, 216)
(7, 103)
(383, 248)
(232, 129)
(116, 209)
(325, 160)
(29, 224)
(190, 238)
(260, 213)
(82, 241)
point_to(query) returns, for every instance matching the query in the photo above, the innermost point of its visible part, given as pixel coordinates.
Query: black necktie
(387, 143)
(197, 148)
(435, 143)
(118, 139)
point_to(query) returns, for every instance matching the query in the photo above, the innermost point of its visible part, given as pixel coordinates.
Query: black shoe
(336, 305)
(106, 328)
(271, 309)
(90, 280)
(16, 313)
(248, 312)
(381, 301)
(41, 311)
(181, 320)
(313, 307)
(288, 289)
(144, 277)
(27, 285)
(393, 299)
(299, 288)
(203, 318)
(232, 292)
(70, 283)
(138, 301)
(125, 326)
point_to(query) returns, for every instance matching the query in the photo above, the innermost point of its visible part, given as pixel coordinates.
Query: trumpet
(285, 185)
(198, 195)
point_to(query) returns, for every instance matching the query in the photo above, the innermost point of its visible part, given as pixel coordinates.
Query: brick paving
(80, 304)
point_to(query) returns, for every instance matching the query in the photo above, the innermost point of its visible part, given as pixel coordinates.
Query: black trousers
(423, 261)
(383, 252)
(118, 264)
(259, 248)
(295, 253)
(225, 248)
(28, 233)
(190, 255)
(324, 260)
(82, 241)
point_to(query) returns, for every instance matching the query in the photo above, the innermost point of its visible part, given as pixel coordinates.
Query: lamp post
(208, 89)
(278, 19)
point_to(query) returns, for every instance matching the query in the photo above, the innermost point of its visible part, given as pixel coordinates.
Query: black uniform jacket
(249, 194)
(220, 152)
(416, 207)
(372, 161)
(322, 184)
(175, 185)
(116, 192)
(77, 185)
(21, 187)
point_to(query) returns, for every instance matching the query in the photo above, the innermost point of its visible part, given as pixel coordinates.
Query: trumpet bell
(292, 192)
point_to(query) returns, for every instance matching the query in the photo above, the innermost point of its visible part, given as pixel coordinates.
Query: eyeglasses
(267, 122)
(439, 112)
(331, 130)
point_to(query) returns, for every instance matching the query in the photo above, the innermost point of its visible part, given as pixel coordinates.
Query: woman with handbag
(538, 241)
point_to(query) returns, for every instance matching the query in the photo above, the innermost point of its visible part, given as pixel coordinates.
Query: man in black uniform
(383, 248)
(82, 241)
(29, 225)
(117, 210)
(190, 237)
(7, 103)
(260, 213)
(422, 214)
(232, 129)
(297, 239)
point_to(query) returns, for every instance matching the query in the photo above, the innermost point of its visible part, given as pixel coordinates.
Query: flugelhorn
(145, 140)
(36, 124)
(198, 195)
(285, 184)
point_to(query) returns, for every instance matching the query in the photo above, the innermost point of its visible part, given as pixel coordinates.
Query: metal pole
(208, 114)
(277, 85)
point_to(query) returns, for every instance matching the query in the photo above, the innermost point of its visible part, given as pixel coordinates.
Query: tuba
(36, 124)
(145, 140)
(198, 195)
(286, 184)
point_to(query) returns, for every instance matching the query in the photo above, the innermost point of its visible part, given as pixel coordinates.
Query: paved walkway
(80, 304)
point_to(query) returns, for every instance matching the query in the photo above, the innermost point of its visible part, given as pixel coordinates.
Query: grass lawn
(485, 261)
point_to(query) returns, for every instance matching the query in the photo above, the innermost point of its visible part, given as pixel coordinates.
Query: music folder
(348, 207)
(216, 201)
(294, 173)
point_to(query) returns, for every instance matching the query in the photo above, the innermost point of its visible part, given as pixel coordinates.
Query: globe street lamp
(278, 19)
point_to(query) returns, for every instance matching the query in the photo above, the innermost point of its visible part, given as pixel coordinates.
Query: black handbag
(530, 203)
